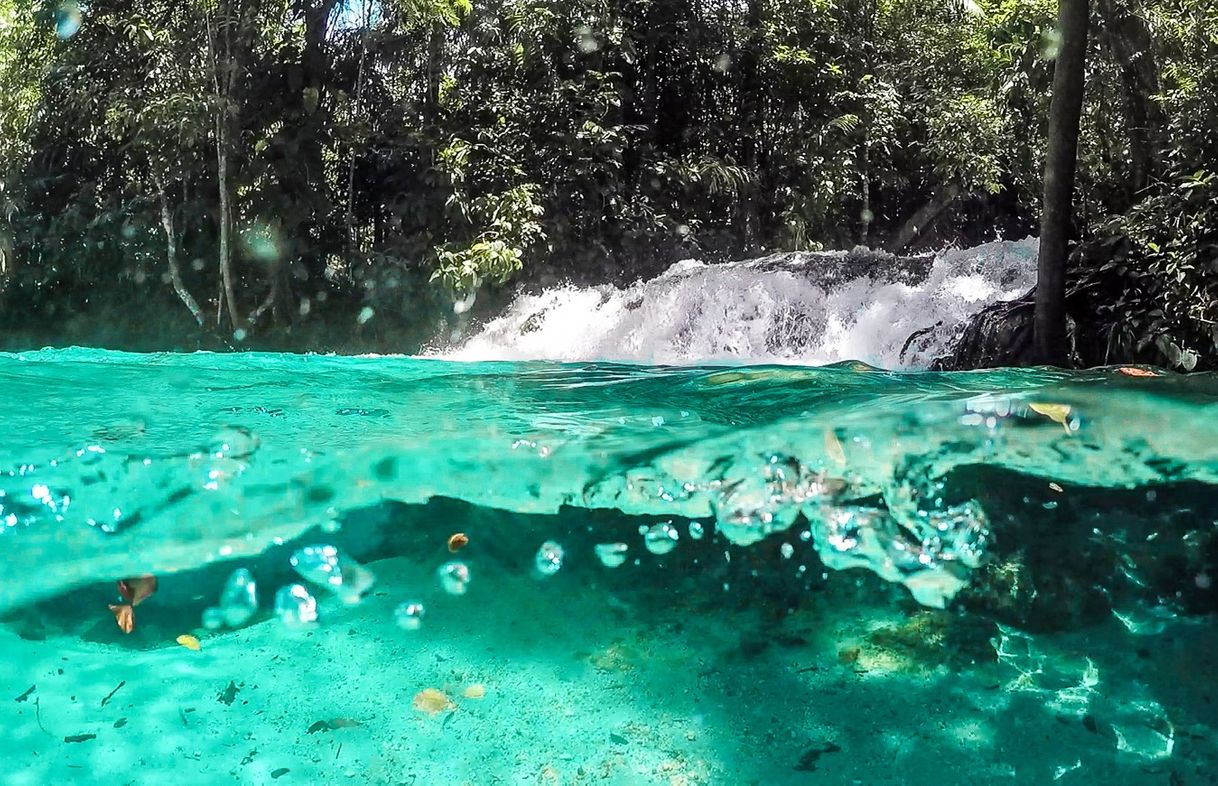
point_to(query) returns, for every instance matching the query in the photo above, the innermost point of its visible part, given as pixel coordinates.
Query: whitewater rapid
(806, 309)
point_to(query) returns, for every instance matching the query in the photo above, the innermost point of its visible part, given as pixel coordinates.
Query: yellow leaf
(1055, 412)
(432, 701)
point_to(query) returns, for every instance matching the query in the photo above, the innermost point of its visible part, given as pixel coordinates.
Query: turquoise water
(674, 574)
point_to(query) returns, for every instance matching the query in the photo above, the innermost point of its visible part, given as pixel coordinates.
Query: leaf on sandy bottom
(432, 702)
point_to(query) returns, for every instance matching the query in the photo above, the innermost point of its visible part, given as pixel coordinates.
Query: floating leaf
(1055, 412)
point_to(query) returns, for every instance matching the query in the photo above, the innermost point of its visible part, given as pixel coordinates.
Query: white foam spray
(795, 309)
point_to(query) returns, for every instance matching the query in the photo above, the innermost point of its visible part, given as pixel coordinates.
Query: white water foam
(802, 309)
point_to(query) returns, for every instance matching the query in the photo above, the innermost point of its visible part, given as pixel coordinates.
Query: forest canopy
(311, 173)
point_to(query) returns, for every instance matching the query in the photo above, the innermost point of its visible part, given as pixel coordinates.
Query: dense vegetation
(320, 173)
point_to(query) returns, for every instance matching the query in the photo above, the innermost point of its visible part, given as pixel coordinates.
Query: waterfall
(794, 308)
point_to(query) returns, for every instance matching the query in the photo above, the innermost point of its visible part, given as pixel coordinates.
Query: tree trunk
(175, 272)
(226, 220)
(225, 67)
(1060, 162)
(359, 96)
(431, 98)
(865, 214)
(750, 126)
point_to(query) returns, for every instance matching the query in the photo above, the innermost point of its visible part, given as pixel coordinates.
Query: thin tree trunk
(359, 94)
(226, 219)
(1060, 163)
(224, 77)
(865, 214)
(750, 115)
(175, 272)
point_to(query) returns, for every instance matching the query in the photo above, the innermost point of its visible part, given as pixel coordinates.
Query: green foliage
(511, 227)
(1158, 290)
(966, 137)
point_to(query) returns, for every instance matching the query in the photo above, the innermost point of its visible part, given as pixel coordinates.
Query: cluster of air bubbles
(757, 499)
(295, 607)
(549, 559)
(238, 602)
(612, 555)
(328, 567)
(409, 615)
(454, 577)
(696, 530)
(661, 538)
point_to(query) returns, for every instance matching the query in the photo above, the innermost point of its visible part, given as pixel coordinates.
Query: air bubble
(612, 555)
(238, 602)
(661, 538)
(295, 607)
(328, 567)
(454, 577)
(696, 530)
(549, 558)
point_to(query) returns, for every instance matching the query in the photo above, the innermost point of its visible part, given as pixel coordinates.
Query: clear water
(692, 575)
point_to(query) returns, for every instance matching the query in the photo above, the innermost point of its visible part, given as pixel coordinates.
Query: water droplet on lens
(661, 538)
(549, 558)
(454, 577)
(213, 618)
(295, 607)
(611, 555)
(696, 530)
(67, 19)
(409, 615)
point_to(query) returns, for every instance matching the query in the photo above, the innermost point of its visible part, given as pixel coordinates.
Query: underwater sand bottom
(585, 687)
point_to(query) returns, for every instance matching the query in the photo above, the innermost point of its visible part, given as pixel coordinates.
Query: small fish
(189, 642)
(134, 591)
(457, 542)
(1131, 371)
